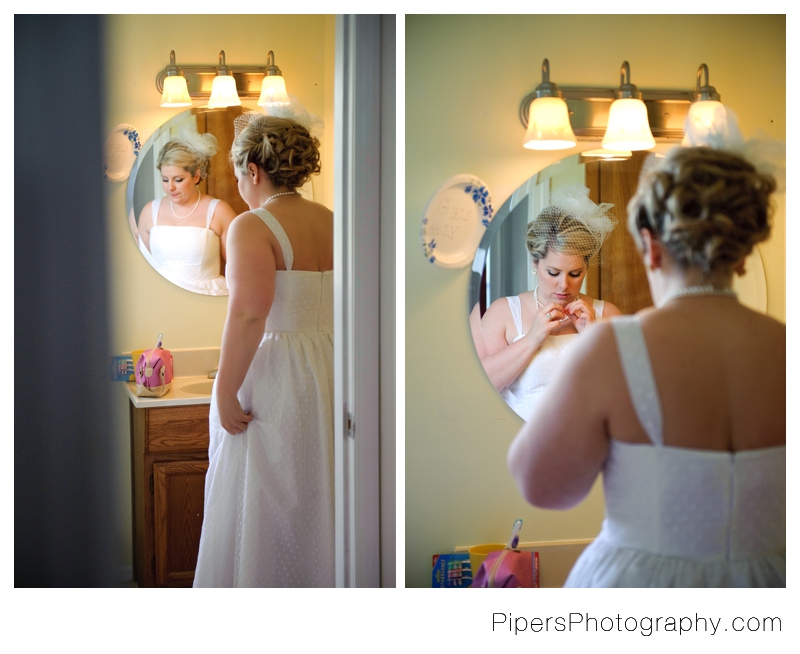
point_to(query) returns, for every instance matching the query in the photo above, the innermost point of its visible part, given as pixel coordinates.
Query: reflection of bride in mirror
(524, 336)
(183, 234)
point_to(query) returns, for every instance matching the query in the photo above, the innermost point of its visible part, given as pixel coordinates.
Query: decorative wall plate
(121, 148)
(454, 221)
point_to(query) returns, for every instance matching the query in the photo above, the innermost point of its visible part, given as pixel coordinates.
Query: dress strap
(598, 306)
(283, 240)
(211, 206)
(638, 371)
(516, 312)
(154, 209)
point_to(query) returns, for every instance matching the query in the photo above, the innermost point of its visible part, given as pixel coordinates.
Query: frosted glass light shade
(706, 119)
(548, 125)
(628, 127)
(273, 92)
(223, 92)
(176, 93)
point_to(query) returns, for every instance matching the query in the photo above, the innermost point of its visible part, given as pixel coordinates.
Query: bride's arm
(251, 282)
(555, 459)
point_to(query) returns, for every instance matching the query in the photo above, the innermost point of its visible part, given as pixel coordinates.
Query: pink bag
(154, 371)
(509, 568)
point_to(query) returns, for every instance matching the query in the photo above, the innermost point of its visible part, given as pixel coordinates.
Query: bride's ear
(253, 172)
(653, 250)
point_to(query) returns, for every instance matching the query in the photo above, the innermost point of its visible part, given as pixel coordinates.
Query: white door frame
(357, 182)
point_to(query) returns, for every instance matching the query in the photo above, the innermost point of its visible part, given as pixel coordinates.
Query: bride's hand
(546, 320)
(580, 313)
(231, 416)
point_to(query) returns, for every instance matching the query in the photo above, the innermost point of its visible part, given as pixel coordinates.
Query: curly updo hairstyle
(282, 148)
(556, 229)
(191, 155)
(708, 207)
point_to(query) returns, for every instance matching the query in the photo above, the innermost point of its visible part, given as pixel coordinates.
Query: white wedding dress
(524, 392)
(679, 517)
(189, 257)
(269, 491)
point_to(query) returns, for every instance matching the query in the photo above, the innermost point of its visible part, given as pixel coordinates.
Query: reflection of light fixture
(273, 88)
(548, 118)
(604, 153)
(707, 115)
(628, 127)
(176, 93)
(223, 90)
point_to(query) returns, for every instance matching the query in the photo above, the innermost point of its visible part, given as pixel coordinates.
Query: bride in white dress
(522, 338)
(268, 517)
(682, 408)
(183, 235)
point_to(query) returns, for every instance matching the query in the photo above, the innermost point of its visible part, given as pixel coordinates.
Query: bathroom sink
(198, 388)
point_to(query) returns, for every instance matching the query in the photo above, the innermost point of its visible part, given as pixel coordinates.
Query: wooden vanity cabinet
(169, 460)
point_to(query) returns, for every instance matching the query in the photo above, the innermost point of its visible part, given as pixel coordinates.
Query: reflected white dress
(524, 392)
(269, 491)
(679, 517)
(187, 256)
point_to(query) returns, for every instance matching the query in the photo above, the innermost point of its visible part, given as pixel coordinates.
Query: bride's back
(309, 228)
(720, 371)
(719, 367)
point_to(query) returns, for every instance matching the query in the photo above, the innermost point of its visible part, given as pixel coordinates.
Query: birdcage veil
(571, 224)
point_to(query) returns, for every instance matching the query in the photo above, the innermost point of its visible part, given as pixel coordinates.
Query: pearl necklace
(196, 204)
(277, 195)
(690, 291)
(539, 304)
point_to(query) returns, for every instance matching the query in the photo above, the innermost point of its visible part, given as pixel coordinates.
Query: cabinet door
(178, 490)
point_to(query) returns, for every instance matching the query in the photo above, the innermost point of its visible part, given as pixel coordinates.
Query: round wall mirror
(144, 183)
(502, 267)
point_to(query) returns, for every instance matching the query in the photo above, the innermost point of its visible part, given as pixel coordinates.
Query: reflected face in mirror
(560, 277)
(179, 184)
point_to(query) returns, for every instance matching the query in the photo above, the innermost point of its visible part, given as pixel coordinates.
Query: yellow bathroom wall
(465, 78)
(137, 48)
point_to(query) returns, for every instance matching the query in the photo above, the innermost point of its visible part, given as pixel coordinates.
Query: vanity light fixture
(176, 92)
(244, 82)
(223, 90)
(589, 110)
(628, 127)
(548, 118)
(273, 88)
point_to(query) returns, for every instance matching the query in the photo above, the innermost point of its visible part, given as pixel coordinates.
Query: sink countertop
(175, 396)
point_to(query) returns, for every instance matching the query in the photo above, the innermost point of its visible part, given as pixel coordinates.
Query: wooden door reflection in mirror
(621, 277)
